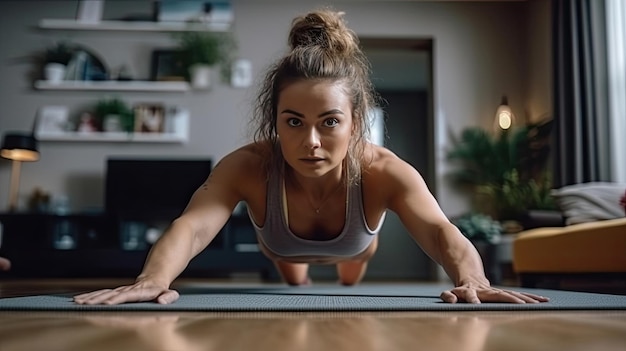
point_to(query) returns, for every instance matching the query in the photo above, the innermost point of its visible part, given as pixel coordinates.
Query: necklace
(318, 208)
(324, 200)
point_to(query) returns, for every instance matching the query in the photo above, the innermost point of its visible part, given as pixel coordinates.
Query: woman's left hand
(477, 293)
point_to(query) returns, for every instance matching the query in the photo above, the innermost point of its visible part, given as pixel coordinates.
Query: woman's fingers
(130, 293)
(478, 295)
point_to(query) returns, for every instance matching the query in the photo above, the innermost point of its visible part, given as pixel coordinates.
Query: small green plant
(479, 227)
(115, 106)
(61, 52)
(208, 48)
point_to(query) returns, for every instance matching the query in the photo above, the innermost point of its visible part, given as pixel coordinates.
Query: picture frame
(52, 119)
(166, 65)
(149, 118)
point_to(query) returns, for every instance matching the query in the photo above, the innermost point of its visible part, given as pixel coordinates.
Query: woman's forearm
(459, 257)
(170, 255)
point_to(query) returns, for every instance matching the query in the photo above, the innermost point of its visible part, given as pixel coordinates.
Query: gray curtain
(581, 143)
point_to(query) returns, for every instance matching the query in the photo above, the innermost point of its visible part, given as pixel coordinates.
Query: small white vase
(200, 76)
(112, 123)
(54, 72)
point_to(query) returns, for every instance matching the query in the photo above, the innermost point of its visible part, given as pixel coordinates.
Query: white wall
(481, 51)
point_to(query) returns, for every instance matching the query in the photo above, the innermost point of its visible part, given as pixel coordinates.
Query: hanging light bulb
(505, 119)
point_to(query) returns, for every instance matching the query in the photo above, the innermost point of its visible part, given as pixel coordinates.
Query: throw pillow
(622, 201)
(589, 202)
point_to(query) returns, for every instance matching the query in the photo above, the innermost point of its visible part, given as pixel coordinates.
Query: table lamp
(18, 147)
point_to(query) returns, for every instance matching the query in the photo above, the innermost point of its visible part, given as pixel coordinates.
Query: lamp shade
(19, 147)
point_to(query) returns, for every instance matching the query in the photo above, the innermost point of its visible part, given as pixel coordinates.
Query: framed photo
(166, 65)
(52, 119)
(149, 118)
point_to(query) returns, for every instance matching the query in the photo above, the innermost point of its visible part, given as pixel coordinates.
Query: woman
(312, 182)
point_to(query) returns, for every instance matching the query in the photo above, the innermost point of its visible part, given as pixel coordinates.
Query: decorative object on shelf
(149, 118)
(52, 119)
(167, 65)
(241, 74)
(18, 147)
(65, 60)
(201, 11)
(506, 174)
(114, 115)
(87, 123)
(201, 51)
(90, 11)
(86, 66)
(55, 60)
(505, 119)
(124, 74)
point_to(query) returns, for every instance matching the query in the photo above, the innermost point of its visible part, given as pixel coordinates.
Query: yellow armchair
(584, 257)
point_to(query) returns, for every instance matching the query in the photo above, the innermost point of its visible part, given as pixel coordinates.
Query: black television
(152, 187)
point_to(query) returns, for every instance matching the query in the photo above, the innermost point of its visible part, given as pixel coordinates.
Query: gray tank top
(278, 238)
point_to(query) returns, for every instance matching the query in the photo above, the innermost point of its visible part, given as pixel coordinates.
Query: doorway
(402, 75)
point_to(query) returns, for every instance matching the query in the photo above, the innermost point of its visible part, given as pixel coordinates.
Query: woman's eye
(331, 122)
(294, 122)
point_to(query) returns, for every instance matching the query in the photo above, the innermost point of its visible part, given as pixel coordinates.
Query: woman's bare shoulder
(383, 165)
(378, 158)
(245, 161)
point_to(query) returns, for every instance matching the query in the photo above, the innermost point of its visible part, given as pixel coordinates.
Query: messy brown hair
(322, 48)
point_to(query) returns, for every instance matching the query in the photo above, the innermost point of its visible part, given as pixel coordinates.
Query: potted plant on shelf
(55, 60)
(200, 52)
(114, 115)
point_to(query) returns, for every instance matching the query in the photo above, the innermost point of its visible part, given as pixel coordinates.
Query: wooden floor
(467, 331)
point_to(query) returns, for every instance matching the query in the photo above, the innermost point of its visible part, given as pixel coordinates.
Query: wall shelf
(177, 131)
(113, 85)
(130, 26)
(112, 137)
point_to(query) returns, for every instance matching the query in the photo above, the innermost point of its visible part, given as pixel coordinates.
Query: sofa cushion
(590, 202)
(581, 248)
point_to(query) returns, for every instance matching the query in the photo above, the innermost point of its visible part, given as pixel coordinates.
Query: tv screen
(152, 187)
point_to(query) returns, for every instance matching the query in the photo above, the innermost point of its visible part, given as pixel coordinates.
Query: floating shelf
(112, 85)
(177, 132)
(112, 137)
(130, 26)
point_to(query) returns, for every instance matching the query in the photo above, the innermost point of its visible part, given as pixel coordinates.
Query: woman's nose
(312, 139)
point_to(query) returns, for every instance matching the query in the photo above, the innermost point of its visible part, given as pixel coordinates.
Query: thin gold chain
(318, 208)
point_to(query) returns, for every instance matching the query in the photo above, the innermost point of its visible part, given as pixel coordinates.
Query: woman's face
(314, 126)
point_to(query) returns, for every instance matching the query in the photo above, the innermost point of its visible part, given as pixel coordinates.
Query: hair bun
(326, 29)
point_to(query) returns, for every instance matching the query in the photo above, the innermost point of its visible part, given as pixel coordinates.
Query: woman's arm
(410, 198)
(208, 210)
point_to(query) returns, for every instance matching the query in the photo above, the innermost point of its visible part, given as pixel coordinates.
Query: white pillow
(590, 202)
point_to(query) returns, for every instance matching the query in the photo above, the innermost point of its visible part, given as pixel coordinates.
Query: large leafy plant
(507, 173)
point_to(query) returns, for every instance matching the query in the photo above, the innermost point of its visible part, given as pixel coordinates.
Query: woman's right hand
(137, 292)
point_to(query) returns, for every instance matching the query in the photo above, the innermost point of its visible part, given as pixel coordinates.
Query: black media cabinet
(89, 245)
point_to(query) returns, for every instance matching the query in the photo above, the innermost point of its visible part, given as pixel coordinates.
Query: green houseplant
(479, 227)
(200, 51)
(108, 110)
(507, 174)
(53, 60)
(61, 52)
